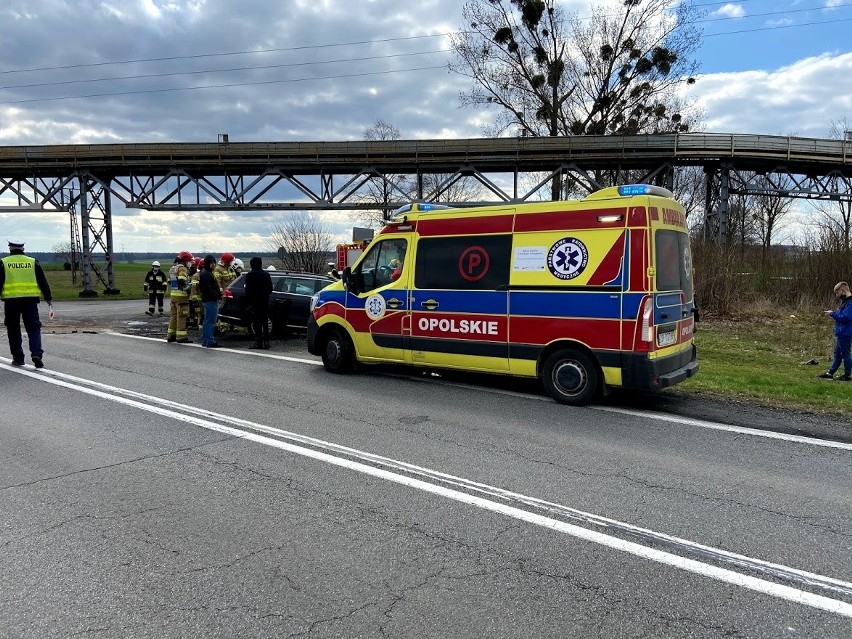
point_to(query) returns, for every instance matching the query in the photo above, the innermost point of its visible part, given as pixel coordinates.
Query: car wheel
(570, 377)
(338, 355)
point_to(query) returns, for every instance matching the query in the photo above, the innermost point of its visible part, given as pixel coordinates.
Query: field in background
(757, 357)
(128, 280)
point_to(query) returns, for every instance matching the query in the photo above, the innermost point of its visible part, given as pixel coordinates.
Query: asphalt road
(160, 490)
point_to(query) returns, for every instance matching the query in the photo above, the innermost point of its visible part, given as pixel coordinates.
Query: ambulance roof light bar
(419, 206)
(644, 189)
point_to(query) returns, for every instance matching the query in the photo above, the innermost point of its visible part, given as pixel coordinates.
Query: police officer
(21, 281)
(155, 286)
(179, 290)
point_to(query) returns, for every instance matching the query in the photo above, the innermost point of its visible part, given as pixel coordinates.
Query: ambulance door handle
(429, 304)
(394, 303)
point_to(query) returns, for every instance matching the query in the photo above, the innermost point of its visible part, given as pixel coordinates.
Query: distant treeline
(128, 257)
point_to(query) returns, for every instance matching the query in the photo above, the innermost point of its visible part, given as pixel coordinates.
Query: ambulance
(586, 295)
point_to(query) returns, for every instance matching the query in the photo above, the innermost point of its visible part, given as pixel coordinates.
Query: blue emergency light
(643, 189)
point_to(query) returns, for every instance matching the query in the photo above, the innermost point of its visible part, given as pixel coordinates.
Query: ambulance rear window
(673, 262)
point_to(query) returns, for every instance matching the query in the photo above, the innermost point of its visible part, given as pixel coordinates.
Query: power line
(225, 70)
(779, 26)
(336, 44)
(769, 13)
(221, 86)
(222, 54)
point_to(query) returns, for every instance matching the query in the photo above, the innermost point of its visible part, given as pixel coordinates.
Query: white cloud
(803, 97)
(730, 10)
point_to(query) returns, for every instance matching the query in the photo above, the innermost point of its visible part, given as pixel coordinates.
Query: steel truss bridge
(243, 176)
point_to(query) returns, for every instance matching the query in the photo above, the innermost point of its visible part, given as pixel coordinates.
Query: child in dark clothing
(843, 332)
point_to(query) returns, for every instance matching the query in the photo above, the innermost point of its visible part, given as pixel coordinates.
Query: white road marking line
(676, 419)
(725, 575)
(687, 421)
(224, 349)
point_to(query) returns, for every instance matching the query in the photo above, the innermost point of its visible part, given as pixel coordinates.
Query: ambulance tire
(338, 353)
(570, 377)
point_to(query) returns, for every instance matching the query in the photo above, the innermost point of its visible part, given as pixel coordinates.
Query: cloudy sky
(109, 71)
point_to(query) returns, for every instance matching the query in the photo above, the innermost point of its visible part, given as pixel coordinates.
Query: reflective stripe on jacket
(178, 280)
(20, 277)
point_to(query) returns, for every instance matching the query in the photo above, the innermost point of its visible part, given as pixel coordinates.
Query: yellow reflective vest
(20, 277)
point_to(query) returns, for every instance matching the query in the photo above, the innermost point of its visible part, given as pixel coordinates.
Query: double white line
(657, 547)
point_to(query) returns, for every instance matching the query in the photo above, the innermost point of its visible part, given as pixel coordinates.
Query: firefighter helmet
(226, 258)
(237, 264)
(155, 263)
(185, 256)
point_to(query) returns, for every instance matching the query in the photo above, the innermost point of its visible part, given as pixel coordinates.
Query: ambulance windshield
(383, 263)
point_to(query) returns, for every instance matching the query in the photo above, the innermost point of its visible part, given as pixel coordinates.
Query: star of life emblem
(375, 307)
(567, 258)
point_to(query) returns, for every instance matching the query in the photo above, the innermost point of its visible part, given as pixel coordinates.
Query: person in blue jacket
(843, 333)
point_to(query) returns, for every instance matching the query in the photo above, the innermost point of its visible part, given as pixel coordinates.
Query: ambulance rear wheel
(570, 377)
(338, 354)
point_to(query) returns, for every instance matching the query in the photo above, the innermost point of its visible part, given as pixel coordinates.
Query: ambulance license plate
(666, 339)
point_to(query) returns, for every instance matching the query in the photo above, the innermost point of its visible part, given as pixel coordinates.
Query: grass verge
(763, 360)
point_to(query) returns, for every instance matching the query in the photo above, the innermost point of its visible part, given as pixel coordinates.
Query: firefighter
(223, 273)
(196, 310)
(155, 286)
(237, 267)
(179, 289)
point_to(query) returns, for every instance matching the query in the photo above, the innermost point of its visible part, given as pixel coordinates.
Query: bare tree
(551, 74)
(383, 190)
(62, 252)
(835, 217)
(769, 211)
(305, 240)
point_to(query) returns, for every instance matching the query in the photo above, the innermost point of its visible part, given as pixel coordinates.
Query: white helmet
(155, 263)
(237, 264)
(270, 268)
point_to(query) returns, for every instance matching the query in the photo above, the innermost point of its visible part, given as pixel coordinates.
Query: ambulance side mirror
(350, 281)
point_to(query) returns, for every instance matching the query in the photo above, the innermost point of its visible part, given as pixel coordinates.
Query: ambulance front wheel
(338, 354)
(570, 377)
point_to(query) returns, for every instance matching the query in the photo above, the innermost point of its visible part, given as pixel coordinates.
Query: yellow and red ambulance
(585, 295)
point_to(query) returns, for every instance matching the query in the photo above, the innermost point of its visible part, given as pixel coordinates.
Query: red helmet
(185, 256)
(197, 262)
(227, 258)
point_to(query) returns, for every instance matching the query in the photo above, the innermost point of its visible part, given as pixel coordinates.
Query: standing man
(210, 294)
(155, 286)
(842, 333)
(179, 293)
(258, 290)
(21, 281)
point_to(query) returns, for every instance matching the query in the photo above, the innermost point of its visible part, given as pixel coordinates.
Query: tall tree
(433, 187)
(769, 211)
(552, 74)
(305, 240)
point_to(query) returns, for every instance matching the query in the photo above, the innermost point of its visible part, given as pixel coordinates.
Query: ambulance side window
(471, 262)
(383, 263)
